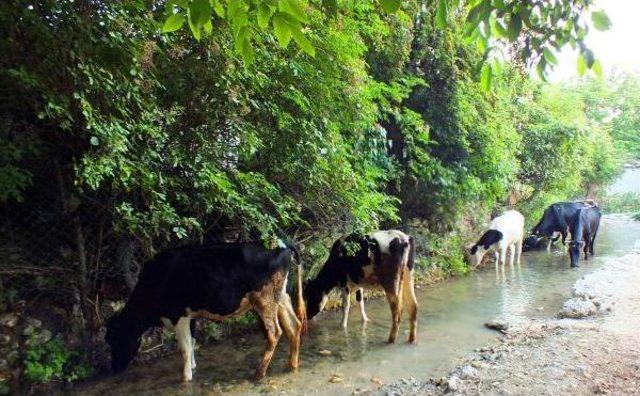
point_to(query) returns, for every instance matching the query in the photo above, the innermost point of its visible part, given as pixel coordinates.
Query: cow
(215, 281)
(505, 232)
(535, 242)
(557, 219)
(584, 228)
(381, 259)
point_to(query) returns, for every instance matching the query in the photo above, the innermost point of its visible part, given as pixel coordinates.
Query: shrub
(54, 361)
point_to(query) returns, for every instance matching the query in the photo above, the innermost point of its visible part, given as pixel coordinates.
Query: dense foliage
(117, 140)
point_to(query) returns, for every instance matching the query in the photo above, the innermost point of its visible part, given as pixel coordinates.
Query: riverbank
(591, 347)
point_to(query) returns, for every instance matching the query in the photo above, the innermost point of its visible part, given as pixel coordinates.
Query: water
(628, 182)
(451, 318)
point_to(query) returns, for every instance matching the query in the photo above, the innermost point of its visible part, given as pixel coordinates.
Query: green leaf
(549, 56)
(208, 27)
(173, 23)
(500, 30)
(294, 9)
(218, 8)
(330, 7)
(601, 20)
(195, 30)
(441, 14)
(597, 68)
(200, 12)
(94, 141)
(281, 30)
(264, 15)
(486, 77)
(303, 42)
(581, 65)
(390, 6)
(247, 51)
(515, 25)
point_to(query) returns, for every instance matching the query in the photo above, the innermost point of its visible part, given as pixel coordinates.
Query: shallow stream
(451, 318)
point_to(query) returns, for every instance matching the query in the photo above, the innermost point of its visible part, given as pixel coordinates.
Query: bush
(54, 361)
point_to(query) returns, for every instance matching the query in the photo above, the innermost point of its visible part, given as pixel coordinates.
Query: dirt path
(596, 350)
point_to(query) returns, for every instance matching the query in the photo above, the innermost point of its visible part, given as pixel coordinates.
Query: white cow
(505, 232)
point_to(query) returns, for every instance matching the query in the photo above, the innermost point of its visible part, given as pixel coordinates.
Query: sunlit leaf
(486, 77)
(441, 14)
(264, 15)
(173, 23)
(294, 9)
(581, 65)
(281, 30)
(303, 42)
(601, 20)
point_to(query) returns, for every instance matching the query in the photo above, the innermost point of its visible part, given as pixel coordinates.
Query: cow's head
(123, 341)
(574, 252)
(484, 244)
(315, 299)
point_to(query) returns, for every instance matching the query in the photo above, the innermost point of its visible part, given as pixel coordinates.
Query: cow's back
(214, 278)
(510, 224)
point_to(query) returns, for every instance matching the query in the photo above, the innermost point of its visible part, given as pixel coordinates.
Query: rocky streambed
(591, 347)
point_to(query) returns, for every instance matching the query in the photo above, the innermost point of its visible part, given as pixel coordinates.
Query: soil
(591, 347)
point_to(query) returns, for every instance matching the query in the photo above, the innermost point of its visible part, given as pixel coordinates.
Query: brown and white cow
(381, 259)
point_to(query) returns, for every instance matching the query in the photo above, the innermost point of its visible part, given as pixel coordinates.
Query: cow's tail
(301, 309)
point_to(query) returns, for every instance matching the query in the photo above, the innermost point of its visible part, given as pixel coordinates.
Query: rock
(334, 379)
(467, 372)
(325, 352)
(9, 320)
(34, 322)
(576, 308)
(454, 383)
(39, 338)
(497, 324)
(5, 339)
(376, 381)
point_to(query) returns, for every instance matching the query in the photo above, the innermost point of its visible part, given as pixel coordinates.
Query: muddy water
(451, 320)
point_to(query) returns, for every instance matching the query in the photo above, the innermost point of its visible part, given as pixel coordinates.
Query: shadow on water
(451, 320)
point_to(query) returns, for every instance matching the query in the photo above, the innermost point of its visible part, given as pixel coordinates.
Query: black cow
(214, 282)
(584, 228)
(557, 219)
(381, 259)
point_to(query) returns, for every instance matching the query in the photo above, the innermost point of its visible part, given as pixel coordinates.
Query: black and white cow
(584, 228)
(213, 282)
(557, 219)
(505, 232)
(381, 259)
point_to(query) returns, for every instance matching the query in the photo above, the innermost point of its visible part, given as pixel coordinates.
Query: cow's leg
(346, 305)
(411, 303)
(496, 258)
(519, 251)
(360, 300)
(549, 244)
(593, 240)
(512, 254)
(193, 345)
(394, 297)
(183, 335)
(503, 255)
(292, 328)
(268, 312)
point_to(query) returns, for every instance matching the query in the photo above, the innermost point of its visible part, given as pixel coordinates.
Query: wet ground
(451, 319)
